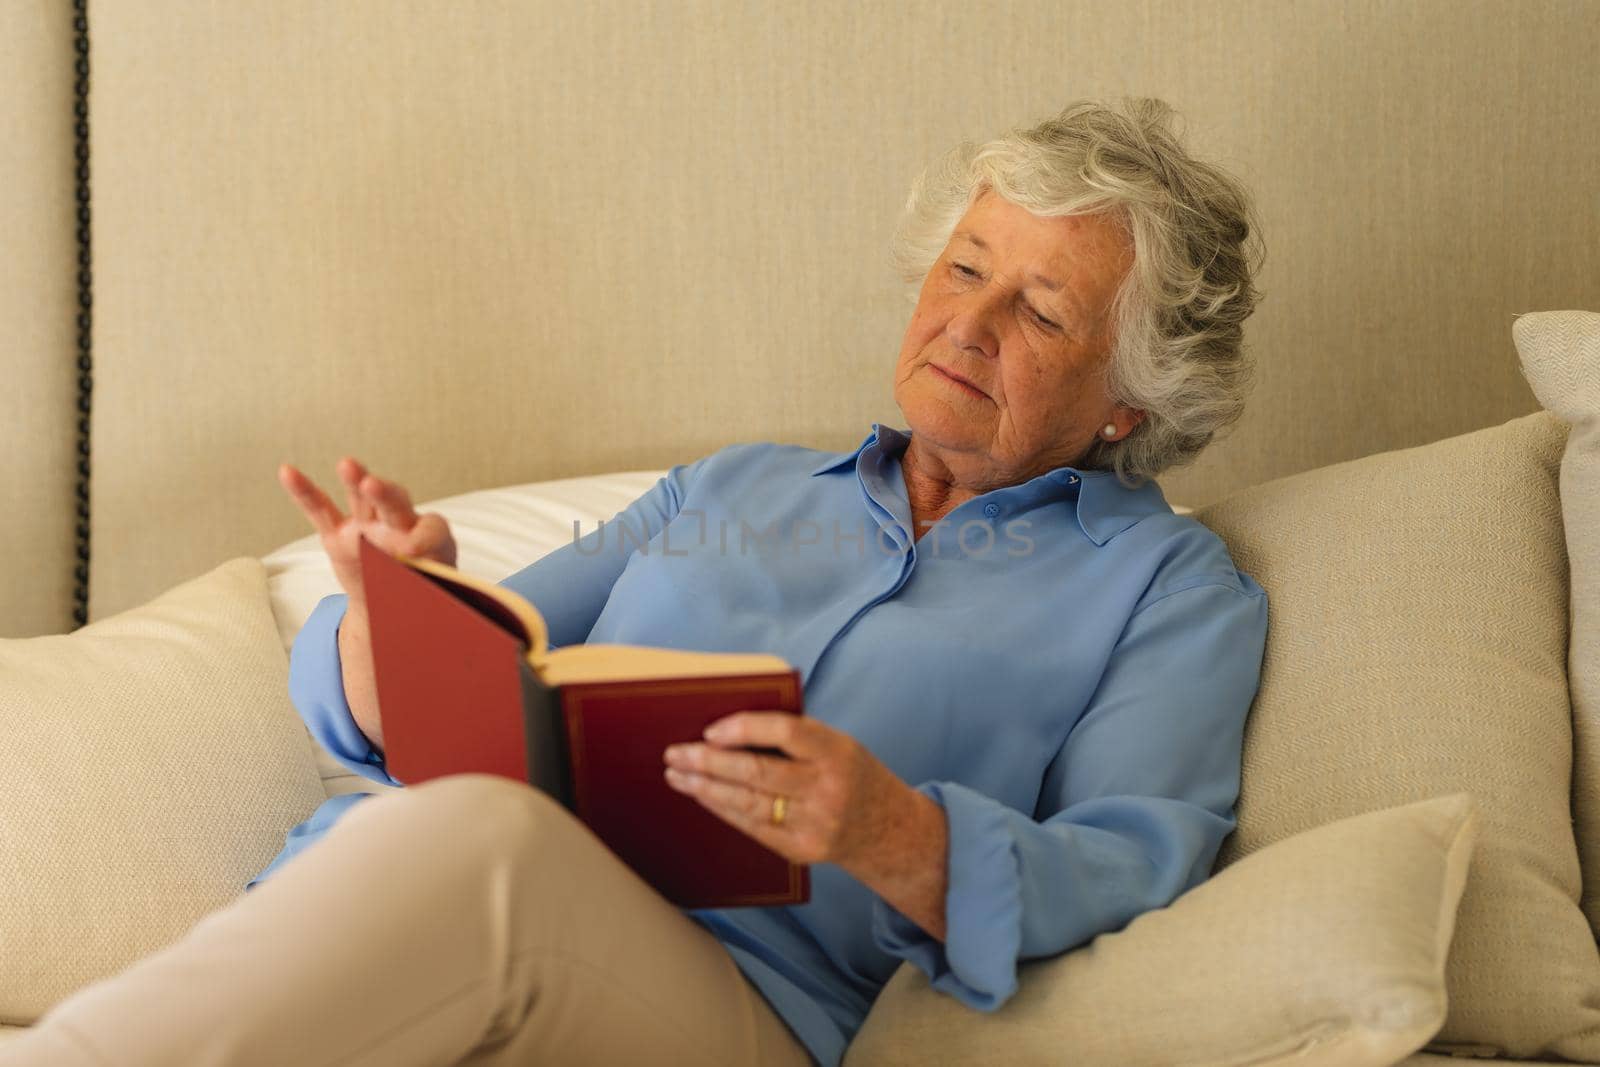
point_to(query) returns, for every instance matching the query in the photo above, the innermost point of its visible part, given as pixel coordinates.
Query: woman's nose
(975, 326)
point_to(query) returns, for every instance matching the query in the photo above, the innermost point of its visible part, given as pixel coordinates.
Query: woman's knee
(478, 812)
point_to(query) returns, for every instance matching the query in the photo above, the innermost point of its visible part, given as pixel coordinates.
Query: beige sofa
(430, 234)
(1422, 772)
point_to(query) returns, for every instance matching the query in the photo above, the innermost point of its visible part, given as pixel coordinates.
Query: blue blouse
(1065, 666)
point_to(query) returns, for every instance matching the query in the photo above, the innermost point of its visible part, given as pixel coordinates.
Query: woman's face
(1000, 368)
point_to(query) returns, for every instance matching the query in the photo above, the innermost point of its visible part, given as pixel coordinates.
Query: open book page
(586, 663)
(617, 663)
(511, 611)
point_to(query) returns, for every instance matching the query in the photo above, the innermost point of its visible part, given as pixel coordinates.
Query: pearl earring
(1110, 430)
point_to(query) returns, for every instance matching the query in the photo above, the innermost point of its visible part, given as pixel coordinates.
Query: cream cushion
(1418, 648)
(1325, 950)
(152, 765)
(1560, 353)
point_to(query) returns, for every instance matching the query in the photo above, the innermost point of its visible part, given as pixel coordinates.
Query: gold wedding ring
(780, 806)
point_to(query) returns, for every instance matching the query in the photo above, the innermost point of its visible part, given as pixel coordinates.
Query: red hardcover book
(466, 682)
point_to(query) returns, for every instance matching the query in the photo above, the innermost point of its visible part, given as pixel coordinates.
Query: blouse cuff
(977, 962)
(316, 687)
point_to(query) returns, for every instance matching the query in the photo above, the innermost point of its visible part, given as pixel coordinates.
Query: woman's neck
(932, 489)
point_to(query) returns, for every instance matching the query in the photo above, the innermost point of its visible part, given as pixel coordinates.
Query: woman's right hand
(380, 510)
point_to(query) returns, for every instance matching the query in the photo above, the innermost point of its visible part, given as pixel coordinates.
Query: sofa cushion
(1327, 948)
(152, 765)
(1560, 353)
(1418, 647)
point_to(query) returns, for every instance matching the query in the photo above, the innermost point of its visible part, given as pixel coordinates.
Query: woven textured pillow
(1325, 950)
(1417, 648)
(152, 765)
(1560, 353)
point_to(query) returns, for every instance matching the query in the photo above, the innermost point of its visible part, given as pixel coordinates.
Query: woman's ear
(1126, 419)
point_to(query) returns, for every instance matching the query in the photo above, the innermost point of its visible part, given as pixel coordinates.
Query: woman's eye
(970, 273)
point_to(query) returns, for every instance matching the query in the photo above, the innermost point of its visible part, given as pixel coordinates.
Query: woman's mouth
(959, 382)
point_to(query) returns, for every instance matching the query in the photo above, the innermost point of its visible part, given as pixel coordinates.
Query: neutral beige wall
(479, 244)
(38, 293)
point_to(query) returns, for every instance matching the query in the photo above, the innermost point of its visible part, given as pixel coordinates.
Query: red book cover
(466, 684)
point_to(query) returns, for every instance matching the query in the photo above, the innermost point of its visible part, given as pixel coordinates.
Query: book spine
(544, 732)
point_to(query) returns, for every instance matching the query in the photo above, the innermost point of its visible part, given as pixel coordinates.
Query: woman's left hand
(842, 805)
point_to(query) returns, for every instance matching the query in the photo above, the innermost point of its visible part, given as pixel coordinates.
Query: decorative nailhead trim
(80, 130)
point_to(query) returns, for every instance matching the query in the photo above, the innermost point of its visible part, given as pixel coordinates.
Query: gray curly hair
(1178, 351)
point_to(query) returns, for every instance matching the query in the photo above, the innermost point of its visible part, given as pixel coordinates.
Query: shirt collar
(833, 463)
(1105, 507)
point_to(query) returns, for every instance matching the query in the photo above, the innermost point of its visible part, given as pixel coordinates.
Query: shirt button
(991, 510)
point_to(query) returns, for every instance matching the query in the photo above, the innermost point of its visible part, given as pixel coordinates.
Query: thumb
(431, 537)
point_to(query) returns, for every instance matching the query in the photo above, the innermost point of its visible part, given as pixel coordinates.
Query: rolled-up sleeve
(1132, 811)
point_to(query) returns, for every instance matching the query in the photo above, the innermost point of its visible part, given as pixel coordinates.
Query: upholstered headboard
(488, 243)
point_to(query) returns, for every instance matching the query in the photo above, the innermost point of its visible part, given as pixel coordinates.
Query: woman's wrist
(910, 868)
(355, 664)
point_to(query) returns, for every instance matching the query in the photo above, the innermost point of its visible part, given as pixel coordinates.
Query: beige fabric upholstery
(1324, 950)
(1418, 647)
(428, 234)
(38, 273)
(1560, 353)
(153, 765)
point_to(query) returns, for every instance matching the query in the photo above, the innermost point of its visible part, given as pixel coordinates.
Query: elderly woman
(1026, 681)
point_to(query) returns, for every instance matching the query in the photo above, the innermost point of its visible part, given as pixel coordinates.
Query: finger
(432, 535)
(323, 512)
(765, 774)
(797, 735)
(392, 501)
(742, 808)
(350, 473)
